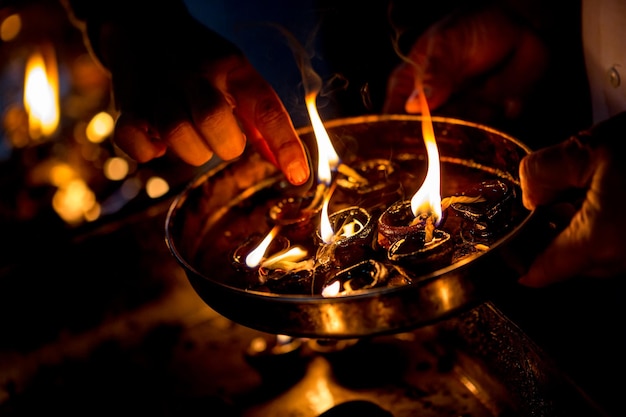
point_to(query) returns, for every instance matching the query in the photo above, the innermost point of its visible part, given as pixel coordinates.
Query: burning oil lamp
(491, 213)
(414, 251)
(345, 237)
(364, 275)
(297, 216)
(274, 263)
(423, 213)
(251, 252)
(371, 184)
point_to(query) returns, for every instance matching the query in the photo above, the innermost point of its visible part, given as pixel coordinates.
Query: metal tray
(228, 203)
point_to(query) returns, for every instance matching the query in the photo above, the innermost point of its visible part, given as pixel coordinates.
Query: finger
(185, 142)
(267, 123)
(212, 115)
(173, 121)
(591, 246)
(545, 175)
(456, 54)
(138, 139)
(400, 85)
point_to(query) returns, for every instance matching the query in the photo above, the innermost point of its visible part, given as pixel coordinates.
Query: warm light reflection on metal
(100, 127)
(41, 95)
(427, 200)
(320, 397)
(334, 320)
(156, 187)
(10, 27)
(469, 384)
(115, 168)
(445, 294)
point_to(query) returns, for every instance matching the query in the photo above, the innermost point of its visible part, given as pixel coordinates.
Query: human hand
(181, 86)
(592, 244)
(481, 66)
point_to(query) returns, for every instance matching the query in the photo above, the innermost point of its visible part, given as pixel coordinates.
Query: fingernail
(297, 172)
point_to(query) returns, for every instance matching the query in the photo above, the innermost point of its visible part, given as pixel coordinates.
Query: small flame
(326, 230)
(349, 228)
(287, 258)
(41, 92)
(331, 290)
(427, 199)
(255, 257)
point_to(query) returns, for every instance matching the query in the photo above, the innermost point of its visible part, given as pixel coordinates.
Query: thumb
(547, 174)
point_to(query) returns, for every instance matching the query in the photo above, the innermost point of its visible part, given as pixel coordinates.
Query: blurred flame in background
(57, 121)
(41, 95)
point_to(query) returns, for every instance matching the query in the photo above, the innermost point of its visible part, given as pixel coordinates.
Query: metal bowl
(228, 203)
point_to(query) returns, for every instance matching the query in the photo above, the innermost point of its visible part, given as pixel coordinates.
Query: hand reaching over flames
(179, 85)
(592, 244)
(481, 65)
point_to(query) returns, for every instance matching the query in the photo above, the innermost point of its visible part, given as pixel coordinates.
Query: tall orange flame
(328, 160)
(427, 199)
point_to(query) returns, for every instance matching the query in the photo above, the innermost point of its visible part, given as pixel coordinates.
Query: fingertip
(297, 172)
(136, 141)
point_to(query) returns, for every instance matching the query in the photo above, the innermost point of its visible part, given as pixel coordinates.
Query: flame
(255, 257)
(328, 160)
(287, 259)
(427, 199)
(332, 290)
(41, 95)
(326, 230)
